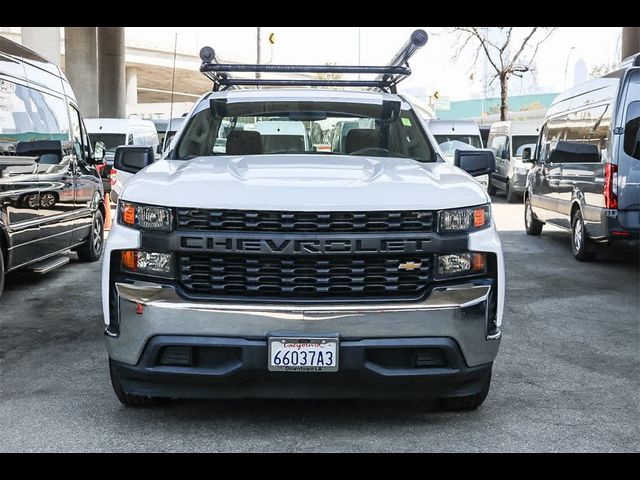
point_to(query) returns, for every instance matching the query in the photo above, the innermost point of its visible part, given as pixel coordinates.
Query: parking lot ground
(567, 377)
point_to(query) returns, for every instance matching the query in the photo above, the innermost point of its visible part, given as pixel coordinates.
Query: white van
(114, 132)
(283, 136)
(508, 141)
(452, 135)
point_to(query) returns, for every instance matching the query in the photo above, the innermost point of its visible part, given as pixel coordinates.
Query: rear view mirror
(133, 158)
(98, 152)
(476, 162)
(526, 154)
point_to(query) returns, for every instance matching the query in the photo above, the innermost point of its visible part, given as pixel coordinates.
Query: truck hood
(304, 183)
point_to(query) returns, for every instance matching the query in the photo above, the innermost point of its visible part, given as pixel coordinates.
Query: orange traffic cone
(107, 204)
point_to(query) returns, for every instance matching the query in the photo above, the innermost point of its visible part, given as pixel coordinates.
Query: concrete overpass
(132, 78)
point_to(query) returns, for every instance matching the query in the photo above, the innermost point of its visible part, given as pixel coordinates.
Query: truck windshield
(320, 128)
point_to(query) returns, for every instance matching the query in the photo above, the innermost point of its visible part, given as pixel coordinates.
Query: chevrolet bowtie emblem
(409, 266)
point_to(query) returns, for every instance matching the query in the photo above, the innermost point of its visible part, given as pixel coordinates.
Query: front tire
(511, 196)
(532, 225)
(125, 398)
(581, 246)
(491, 190)
(91, 250)
(467, 402)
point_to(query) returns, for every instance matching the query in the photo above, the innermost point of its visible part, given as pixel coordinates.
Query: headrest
(244, 142)
(360, 138)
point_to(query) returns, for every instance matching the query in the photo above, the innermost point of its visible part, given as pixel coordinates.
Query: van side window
(498, 145)
(632, 130)
(76, 132)
(589, 126)
(28, 115)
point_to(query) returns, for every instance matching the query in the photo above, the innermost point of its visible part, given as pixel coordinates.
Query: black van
(51, 196)
(586, 172)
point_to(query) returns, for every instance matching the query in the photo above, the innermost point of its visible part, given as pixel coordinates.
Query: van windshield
(473, 140)
(111, 140)
(522, 141)
(321, 128)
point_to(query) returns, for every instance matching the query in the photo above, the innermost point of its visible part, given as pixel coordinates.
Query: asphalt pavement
(567, 377)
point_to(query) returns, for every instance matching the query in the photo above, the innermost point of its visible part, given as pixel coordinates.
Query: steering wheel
(371, 151)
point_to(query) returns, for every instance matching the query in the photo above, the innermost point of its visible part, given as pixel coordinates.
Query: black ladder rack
(387, 77)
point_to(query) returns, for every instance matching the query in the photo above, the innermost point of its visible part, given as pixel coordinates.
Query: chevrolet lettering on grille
(284, 246)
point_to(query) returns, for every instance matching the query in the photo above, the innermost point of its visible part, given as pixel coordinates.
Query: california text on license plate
(287, 354)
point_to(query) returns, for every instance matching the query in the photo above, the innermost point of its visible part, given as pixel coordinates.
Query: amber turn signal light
(478, 217)
(129, 260)
(129, 214)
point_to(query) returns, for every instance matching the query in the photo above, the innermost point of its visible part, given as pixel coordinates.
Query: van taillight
(610, 185)
(112, 176)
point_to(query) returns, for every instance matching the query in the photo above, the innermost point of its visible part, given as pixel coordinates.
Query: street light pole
(258, 48)
(566, 65)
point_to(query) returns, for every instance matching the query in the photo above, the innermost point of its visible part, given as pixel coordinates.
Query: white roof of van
(453, 127)
(117, 125)
(530, 127)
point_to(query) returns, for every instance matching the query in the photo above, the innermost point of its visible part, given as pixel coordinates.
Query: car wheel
(47, 200)
(581, 246)
(512, 197)
(467, 402)
(491, 190)
(125, 398)
(532, 225)
(91, 250)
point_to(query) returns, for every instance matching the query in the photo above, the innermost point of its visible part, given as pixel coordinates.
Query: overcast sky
(433, 67)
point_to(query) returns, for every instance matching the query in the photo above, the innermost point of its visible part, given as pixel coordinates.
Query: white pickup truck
(375, 271)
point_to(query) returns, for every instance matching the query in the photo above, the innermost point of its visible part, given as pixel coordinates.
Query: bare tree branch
(497, 54)
(524, 44)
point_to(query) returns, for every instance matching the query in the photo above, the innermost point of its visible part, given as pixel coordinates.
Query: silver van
(586, 170)
(508, 140)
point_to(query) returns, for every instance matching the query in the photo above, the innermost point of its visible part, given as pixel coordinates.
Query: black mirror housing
(476, 162)
(133, 158)
(99, 151)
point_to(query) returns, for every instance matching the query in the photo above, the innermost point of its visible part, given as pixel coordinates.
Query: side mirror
(526, 155)
(159, 149)
(476, 162)
(99, 151)
(133, 158)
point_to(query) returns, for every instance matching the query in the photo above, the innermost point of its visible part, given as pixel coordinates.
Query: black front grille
(305, 277)
(277, 221)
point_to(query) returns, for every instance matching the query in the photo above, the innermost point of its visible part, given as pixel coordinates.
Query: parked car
(51, 196)
(454, 135)
(114, 132)
(586, 170)
(371, 271)
(507, 140)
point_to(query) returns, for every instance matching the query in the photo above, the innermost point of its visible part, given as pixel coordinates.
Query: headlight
(148, 263)
(460, 264)
(464, 219)
(144, 217)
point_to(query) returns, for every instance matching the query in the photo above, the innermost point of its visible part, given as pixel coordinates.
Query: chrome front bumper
(458, 312)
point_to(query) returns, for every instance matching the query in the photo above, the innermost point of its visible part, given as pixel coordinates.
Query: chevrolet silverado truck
(276, 269)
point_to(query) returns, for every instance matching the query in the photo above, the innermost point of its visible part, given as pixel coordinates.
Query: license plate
(288, 354)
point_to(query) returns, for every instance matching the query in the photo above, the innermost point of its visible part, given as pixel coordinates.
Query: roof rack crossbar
(387, 78)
